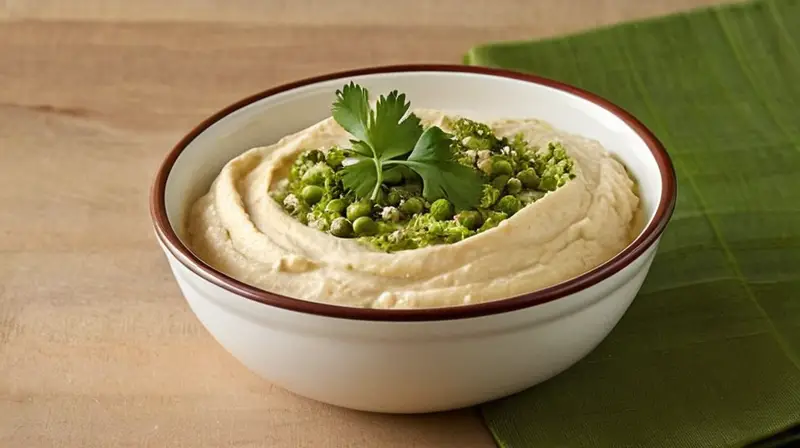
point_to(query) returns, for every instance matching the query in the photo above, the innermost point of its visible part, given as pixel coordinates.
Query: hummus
(238, 229)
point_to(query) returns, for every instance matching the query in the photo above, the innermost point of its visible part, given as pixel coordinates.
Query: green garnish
(387, 137)
(441, 210)
(402, 186)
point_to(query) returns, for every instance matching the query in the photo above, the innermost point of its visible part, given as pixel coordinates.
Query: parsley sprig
(389, 136)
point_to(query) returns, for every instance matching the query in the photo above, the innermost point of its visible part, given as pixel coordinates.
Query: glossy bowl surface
(411, 360)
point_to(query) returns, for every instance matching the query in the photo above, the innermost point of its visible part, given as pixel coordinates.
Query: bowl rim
(646, 238)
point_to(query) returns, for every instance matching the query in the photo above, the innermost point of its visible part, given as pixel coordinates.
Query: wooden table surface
(97, 347)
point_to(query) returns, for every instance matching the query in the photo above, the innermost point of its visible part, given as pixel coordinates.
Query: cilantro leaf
(385, 136)
(361, 177)
(392, 135)
(360, 147)
(450, 180)
(433, 145)
(443, 177)
(351, 110)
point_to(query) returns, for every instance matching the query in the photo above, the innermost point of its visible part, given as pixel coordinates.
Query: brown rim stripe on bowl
(645, 239)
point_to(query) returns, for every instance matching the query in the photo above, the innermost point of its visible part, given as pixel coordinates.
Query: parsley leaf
(361, 177)
(351, 110)
(390, 135)
(362, 148)
(385, 136)
(442, 176)
(432, 146)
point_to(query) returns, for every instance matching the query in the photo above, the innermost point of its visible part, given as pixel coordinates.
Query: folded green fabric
(709, 352)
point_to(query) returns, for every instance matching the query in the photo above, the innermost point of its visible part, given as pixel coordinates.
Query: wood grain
(97, 348)
(547, 15)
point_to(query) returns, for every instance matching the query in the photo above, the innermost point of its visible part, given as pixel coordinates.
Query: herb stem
(377, 188)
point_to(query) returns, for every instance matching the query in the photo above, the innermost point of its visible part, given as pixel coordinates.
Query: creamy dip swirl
(238, 229)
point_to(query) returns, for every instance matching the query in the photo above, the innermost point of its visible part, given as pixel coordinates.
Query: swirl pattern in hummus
(239, 229)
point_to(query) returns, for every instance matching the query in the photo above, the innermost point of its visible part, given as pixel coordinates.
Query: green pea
(469, 219)
(359, 209)
(500, 182)
(336, 206)
(514, 185)
(342, 228)
(393, 198)
(549, 183)
(441, 210)
(312, 194)
(392, 177)
(492, 220)
(500, 166)
(508, 205)
(316, 174)
(529, 178)
(412, 206)
(365, 226)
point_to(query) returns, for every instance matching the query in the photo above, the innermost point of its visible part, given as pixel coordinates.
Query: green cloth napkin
(709, 353)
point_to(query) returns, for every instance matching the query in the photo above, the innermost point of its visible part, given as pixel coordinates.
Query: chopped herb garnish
(402, 186)
(389, 136)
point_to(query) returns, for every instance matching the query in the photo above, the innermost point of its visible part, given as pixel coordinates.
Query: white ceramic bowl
(409, 361)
